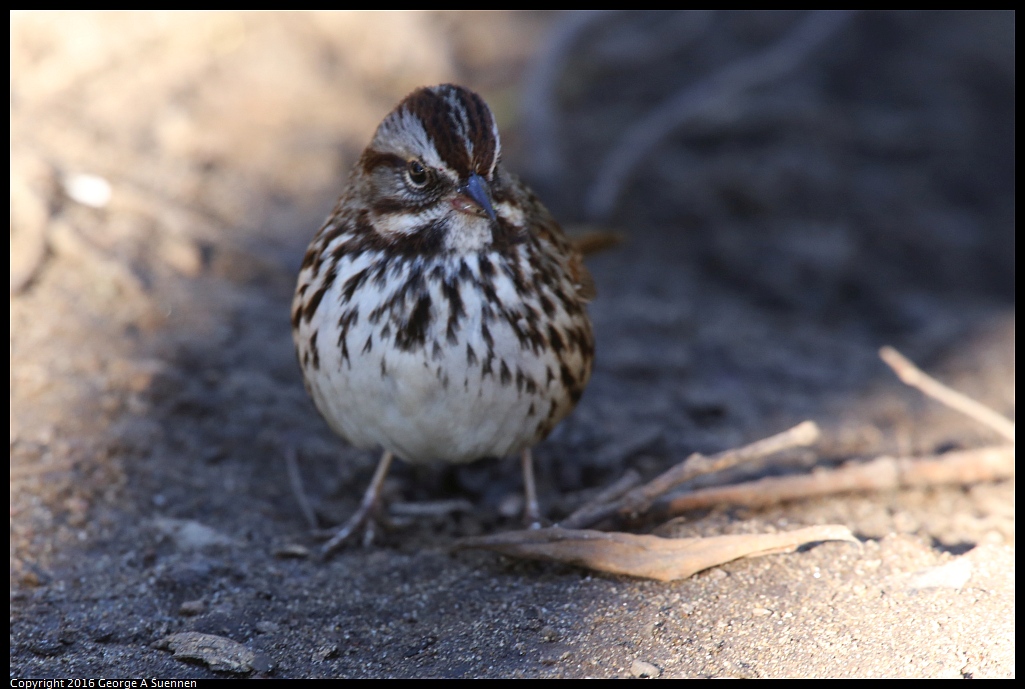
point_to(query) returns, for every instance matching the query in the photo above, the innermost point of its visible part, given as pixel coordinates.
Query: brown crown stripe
(445, 122)
(481, 131)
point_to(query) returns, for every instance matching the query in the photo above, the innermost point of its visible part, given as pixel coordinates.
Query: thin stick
(883, 473)
(585, 513)
(916, 378)
(639, 499)
(435, 508)
(295, 479)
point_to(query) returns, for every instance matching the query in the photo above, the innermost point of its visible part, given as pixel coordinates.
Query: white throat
(467, 233)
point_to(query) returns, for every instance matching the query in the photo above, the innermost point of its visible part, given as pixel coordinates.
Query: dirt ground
(168, 170)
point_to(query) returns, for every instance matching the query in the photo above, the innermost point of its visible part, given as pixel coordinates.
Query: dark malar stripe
(426, 240)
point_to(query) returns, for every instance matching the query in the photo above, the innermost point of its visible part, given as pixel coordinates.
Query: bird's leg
(366, 508)
(531, 511)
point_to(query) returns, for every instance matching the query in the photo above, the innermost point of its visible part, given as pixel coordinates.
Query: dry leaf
(650, 557)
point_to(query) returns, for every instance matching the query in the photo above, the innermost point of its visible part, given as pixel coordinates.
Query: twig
(295, 479)
(884, 473)
(916, 378)
(593, 510)
(717, 92)
(436, 508)
(639, 499)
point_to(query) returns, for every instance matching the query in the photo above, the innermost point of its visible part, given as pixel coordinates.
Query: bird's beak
(473, 197)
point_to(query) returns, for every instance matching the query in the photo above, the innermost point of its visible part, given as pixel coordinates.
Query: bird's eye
(417, 174)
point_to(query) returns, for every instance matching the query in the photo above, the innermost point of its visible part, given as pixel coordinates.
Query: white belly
(435, 392)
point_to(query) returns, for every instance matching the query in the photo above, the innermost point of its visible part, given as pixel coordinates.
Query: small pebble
(644, 669)
(192, 607)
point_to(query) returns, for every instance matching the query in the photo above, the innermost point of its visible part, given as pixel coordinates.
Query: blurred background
(794, 190)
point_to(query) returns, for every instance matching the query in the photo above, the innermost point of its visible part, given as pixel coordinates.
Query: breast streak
(485, 394)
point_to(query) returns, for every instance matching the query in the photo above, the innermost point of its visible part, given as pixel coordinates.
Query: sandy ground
(167, 172)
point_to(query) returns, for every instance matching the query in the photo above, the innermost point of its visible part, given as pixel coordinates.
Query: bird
(440, 313)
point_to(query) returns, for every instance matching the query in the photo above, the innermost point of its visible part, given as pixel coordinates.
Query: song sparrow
(440, 313)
